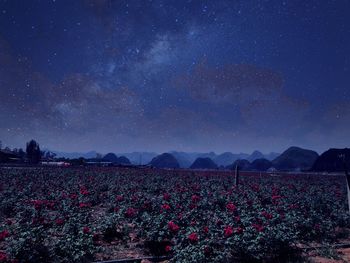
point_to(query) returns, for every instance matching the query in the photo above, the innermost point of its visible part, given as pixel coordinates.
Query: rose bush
(75, 214)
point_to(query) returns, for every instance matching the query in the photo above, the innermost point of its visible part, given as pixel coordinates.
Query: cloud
(230, 83)
(256, 93)
(77, 104)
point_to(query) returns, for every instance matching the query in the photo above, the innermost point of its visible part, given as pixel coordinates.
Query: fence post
(347, 176)
(236, 175)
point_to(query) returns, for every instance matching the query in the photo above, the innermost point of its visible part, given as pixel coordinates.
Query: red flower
(3, 257)
(267, 215)
(173, 227)
(95, 237)
(193, 237)
(168, 248)
(84, 191)
(86, 230)
(119, 198)
(206, 229)
(37, 204)
(275, 199)
(239, 230)
(166, 197)
(130, 212)
(293, 206)
(258, 227)
(4, 234)
(83, 205)
(50, 205)
(228, 231)
(192, 206)
(231, 207)
(195, 198)
(256, 187)
(207, 251)
(165, 206)
(59, 222)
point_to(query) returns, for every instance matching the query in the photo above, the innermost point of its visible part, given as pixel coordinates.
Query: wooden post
(348, 183)
(347, 176)
(236, 175)
(348, 195)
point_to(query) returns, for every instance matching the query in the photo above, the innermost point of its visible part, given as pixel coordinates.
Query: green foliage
(68, 215)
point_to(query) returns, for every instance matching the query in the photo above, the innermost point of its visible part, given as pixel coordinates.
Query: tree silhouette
(21, 153)
(33, 152)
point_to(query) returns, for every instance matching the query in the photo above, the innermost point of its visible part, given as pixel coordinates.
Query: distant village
(33, 156)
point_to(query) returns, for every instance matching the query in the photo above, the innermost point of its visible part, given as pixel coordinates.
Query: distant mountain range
(224, 159)
(292, 159)
(75, 155)
(185, 159)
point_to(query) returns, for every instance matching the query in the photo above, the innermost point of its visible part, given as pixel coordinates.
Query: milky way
(175, 75)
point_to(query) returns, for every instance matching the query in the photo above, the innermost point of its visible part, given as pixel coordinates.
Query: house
(7, 156)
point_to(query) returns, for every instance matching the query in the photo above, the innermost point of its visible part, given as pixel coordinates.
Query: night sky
(175, 75)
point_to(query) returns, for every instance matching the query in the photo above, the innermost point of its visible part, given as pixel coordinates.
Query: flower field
(91, 214)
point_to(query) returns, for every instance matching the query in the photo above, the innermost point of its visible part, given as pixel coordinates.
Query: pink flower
(192, 206)
(206, 229)
(130, 212)
(258, 227)
(207, 251)
(275, 199)
(267, 215)
(173, 227)
(4, 234)
(239, 230)
(166, 197)
(228, 231)
(168, 248)
(193, 237)
(84, 191)
(231, 207)
(95, 237)
(166, 207)
(86, 230)
(3, 257)
(59, 221)
(256, 187)
(195, 198)
(119, 198)
(84, 205)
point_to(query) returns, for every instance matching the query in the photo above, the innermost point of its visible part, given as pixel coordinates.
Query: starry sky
(161, 75)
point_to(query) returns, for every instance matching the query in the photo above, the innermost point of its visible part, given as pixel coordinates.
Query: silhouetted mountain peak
(165, 160)
(204, 163)
(295, 158)
(332, 160)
